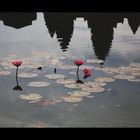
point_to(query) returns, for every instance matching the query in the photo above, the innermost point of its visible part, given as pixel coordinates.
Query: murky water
(52, 41)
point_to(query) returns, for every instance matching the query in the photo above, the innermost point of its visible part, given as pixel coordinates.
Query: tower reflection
(17, 19)
(62, 24)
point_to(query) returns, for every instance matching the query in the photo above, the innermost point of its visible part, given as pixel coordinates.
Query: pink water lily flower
(78, 62)
(87, 72)
(17, 63)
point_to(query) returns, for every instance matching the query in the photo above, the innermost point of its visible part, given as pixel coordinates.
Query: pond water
(45, 93)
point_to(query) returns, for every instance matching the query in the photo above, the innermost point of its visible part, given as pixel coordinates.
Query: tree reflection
(17, 19)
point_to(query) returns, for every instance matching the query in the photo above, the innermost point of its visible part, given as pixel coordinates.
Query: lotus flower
(78, 62)
(87, 72)
(17, 63)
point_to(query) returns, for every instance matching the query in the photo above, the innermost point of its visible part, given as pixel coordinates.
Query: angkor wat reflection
(101, 26)
(62, 24)
(17, 20)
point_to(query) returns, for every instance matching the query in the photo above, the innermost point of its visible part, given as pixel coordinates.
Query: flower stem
(77, 73)
(17, 75)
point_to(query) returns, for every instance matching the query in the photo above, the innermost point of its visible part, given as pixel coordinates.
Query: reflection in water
(17, 87)
(134, 21)
(62, 24)
(18, 20)
(101, 26)
(113, 105)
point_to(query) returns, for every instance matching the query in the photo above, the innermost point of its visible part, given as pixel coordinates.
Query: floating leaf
(55, 76)
(38, 84)
(5, 73)
(95, 84)
(31, 96)
(71, 99)
(93, 89)
(104, 79)
(134, 80)
(94, 61)
(65, 81)
(75, 85)
(136, 65)
(124, 77)
(135, 73)
(79, 93)
(46, 102)
(91, 96)
(27, 75)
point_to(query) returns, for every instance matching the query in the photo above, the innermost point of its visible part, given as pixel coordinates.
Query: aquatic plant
(17, 63)
(87, 73)
(78, 62)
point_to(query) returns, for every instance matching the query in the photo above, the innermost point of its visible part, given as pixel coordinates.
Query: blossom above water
(78, 62)
(17, 63)
(87, 72)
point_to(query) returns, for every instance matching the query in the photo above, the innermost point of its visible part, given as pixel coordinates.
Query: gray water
(111, 37)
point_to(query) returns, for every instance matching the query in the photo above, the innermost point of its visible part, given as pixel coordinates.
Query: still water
(109, 45)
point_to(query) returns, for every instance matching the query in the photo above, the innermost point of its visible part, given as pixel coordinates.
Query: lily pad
(27, 75)
(31, 96)
(93, 89)
(38, 84)
(134, 80)
(75, 85)
(79, 93)
(46, 102)
(95, 84)
(65, 81)
(136, 65)
(94, 61)
(91, 96)
(71, 99)
(135, 73)
(55, 76)
(124, 77)
(104, 79)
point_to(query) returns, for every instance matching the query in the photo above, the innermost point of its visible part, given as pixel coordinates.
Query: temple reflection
(62, 24)
(101, 25)
(134, 21)
(17, 19)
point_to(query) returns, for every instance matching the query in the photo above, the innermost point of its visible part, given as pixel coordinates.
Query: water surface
(50, 39)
